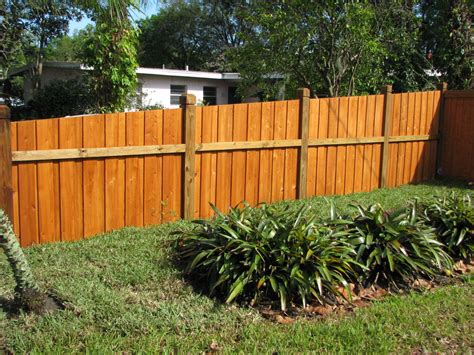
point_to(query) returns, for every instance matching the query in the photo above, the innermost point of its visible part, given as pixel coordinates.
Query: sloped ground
(124, 294)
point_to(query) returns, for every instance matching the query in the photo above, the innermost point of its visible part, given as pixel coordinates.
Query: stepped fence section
(75, 177)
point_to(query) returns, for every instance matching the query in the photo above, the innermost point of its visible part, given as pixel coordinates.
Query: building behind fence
(80, 176)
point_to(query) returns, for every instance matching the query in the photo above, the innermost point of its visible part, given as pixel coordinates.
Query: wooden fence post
(6, 190)
(303, 95)
(188, 104)
(387, 92)
(442, 87)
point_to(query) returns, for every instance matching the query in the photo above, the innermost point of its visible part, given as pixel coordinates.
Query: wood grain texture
(135, 134)
(71, 183)
(115, 130)
(94, 177)
(153, 169)
(49, 217)
(28, 186)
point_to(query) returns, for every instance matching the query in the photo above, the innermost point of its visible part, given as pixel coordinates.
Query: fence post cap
(4, 112)
(187, 99)
(442, 86)
(386, 89)
(303, 92)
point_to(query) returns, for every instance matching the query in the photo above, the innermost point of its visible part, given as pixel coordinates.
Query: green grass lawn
(124, 294)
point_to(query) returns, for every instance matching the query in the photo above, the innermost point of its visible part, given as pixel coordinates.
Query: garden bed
(123, 293)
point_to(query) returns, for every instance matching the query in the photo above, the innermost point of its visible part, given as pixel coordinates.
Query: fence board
(239, 157)
(16, 208)
(172, 166)
(153, 169)
(265, 171)
(94, 177)
(115, 173)
(252, 153)
(253, 156)
(70, 136)
(28, 187)
(49, 219)
(278, 164)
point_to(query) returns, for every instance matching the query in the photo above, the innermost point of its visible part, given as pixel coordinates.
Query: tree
(28, 295)
(68, 48)
(193, 33)
(111, 52)
(47, 20)
(447, 38)
(329, 47)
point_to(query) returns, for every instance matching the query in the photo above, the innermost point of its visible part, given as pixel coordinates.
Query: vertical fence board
(278, 164)
(312, 151)
(94, 176)
(28, 187)
(114, 173)
(153, 169)
(360, 149)
(208, 161)
(265, 171)
(239, 158)
(341, 150)
(172, 165)
(368, 148)
(49, 218)
(322, 151)
(291, 154)
(135, 134)
(377, 147)
(198, 157)
(332, 151)
(16, 207)
(70, 181)
(253, 156)
(224, 159)
(351, 149)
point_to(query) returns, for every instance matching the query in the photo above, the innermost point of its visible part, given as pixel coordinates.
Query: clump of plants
(396, 247)
(453, 218)
(269, 253)
(273, 253)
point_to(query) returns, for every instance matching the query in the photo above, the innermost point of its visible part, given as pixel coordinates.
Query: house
(155, 86)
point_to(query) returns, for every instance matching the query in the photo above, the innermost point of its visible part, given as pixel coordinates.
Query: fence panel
(457, 140)
(76, 177)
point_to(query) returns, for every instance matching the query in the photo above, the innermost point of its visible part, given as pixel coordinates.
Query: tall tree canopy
(194, 33)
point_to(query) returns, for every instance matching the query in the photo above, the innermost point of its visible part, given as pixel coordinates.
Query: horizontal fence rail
(88, 153)
(76, 177)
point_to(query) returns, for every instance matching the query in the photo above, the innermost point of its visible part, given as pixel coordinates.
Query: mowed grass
(124, 294)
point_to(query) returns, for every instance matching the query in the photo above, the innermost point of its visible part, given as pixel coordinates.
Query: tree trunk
(27, 293)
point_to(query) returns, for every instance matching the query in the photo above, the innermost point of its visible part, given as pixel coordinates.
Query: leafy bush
(63, 98)
(270, 253)
(397, 246)
(453, 218)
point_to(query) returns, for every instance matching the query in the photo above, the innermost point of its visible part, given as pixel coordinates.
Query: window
(176, 92)
(210, 95)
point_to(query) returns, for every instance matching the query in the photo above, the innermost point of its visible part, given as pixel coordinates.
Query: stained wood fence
(79, 176)
(457, 143)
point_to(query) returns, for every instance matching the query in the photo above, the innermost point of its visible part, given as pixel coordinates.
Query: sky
(146, 12)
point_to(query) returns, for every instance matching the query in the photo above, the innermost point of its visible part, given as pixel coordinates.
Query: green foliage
(396, 246)
(453, 218)
(111, 52)
(255, 254)
(447, 35)
(63, 98)
(68, 48)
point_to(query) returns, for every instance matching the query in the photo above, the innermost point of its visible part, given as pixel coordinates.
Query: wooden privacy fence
(79, 176)
(457, 148)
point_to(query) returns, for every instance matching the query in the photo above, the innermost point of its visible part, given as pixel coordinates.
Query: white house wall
(156, 89)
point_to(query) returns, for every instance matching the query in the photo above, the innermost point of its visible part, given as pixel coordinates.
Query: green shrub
(397, 246)
(269, 253)
(453, 218)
